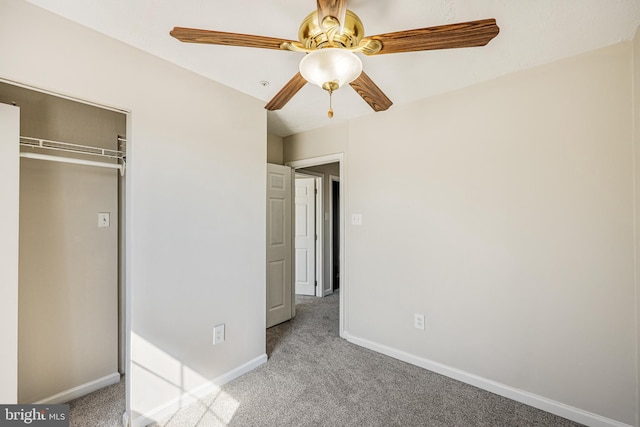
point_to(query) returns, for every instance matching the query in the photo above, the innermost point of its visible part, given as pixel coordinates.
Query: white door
(279, 245)
(305, 229)
(10, 190)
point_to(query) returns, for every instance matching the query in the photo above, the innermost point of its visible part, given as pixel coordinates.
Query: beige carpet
(102, 408)
(315, 378)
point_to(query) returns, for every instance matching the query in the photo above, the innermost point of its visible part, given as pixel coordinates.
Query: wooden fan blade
(193, 35)
(334, 8)
(371, 93)
(286, 93)
(464, 34)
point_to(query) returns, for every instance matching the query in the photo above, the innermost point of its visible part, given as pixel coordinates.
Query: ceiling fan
(331, 35)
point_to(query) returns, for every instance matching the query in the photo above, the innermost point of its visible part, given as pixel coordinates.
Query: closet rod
(74, 161)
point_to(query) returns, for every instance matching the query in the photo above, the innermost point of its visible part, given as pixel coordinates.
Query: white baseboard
(81, 390)
(543, 403)
(188, 397)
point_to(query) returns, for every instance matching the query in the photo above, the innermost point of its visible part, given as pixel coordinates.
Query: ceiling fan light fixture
(330, 68)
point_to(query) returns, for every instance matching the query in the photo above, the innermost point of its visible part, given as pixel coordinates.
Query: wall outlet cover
(418, 321)
(218, 334)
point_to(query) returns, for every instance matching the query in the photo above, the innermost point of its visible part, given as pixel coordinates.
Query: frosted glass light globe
(330, 68)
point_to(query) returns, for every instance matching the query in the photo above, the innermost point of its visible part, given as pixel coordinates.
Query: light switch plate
(104, 219)
(356, 219)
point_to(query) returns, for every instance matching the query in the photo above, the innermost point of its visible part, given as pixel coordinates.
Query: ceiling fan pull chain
(330, 112)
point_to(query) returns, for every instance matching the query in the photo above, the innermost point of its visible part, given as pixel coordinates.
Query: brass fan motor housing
(312, 35)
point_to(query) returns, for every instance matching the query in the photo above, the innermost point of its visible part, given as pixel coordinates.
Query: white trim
(315, 161)
(341, 158)
(126, 285)
(81, 390)
(188, 397)
(63, 96)
(319, 236)
(635, 165)
(531, 399)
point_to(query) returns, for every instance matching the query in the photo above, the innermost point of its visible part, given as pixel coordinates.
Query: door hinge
(316, 285)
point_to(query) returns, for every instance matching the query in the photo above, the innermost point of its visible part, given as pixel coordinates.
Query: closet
(70, 254)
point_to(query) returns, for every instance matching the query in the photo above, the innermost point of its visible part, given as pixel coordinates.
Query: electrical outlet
(356, 219)
(218, 334)
(418, 321)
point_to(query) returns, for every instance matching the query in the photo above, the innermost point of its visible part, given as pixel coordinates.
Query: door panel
(302, 266)
(277, 294)
(305, 232)
(279, 245)
(10, 191)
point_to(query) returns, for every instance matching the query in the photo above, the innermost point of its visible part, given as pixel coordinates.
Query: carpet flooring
(315, 378)
(102, 408)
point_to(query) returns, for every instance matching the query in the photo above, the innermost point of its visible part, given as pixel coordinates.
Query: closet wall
(68, 266)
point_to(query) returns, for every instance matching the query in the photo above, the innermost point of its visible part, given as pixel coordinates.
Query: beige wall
(196, 166)
(504, 213)
(274, 149)
(319, 142)
(68, 310)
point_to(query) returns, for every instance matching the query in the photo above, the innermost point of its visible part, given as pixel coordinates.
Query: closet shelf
(66, 147)
(26, 141)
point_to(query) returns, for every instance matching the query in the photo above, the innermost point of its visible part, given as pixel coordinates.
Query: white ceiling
(532, 32)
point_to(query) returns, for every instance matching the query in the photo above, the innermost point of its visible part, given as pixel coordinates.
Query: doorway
(328, 167)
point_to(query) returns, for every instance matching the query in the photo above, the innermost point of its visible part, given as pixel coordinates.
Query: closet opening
(71, 261)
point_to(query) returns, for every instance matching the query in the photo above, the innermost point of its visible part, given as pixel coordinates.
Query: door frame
(339, 158)
(319, 224)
